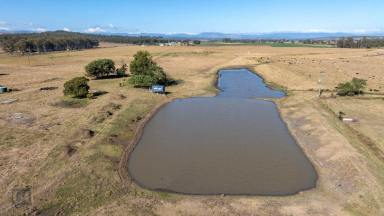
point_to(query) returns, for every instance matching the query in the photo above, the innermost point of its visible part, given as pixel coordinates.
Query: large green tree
(142, 63)
(100, 68)
(145, 72)
(76, 87)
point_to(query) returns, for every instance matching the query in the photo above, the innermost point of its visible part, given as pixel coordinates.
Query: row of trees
(140, 40)
(62, 40)
(252, 41)
(340, 43)
(360, 43)
(40, 43)
(144, 71)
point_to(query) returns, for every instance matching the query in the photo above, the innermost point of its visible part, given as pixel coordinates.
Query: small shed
(159, 89)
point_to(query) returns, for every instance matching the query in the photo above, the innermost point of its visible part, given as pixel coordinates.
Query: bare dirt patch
(21, 119)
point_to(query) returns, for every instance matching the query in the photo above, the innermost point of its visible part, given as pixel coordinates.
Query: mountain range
(249, 36)
(239, 36)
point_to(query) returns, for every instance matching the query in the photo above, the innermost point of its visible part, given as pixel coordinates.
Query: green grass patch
(278, 87)
(176, 54)
(83, 191)
(301, 45)
(95, 182)
(144, 193)
(134, 113)
(68, 102)
(9, 137)
(110, 150)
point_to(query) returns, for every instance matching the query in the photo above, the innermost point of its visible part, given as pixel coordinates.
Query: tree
(349, 43)
(142, 63)
(359, 85)
(76, 87)
(354, 87)
(145, 72)
(196, 42)
(159, 75)
(100, 68)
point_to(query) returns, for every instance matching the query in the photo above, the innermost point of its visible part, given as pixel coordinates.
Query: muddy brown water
(229, 144)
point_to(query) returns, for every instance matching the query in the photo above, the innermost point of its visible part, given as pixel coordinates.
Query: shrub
(145, 72)
(120, 72)
(100, 68)
(140, 81)
(354, 87)
(76, 87)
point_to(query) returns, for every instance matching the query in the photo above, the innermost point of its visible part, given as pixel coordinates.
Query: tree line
(45, 42)
(360, 43)
(62, 40)
(255, 41)
(350, 42)
(140, 40)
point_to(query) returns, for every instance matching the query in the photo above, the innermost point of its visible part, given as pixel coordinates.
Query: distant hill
(236, 36)
(249, 36)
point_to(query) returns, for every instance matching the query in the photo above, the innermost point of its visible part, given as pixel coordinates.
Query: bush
(121, 72)
(140, 81)
(76, 87)
(100, 68)
(354, 87)
(145, 72)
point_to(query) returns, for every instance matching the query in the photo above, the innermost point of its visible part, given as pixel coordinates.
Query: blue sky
(193, 16)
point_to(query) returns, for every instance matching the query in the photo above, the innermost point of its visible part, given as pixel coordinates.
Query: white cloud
(362, 31)
(318, 31)
(187, 33)
(111, 26)
(4, 26)
(40, 29)
(66, 29)
(356, 31)
(95, 30)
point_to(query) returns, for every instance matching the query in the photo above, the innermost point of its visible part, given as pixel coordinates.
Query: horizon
(194, 17)
(220, 35)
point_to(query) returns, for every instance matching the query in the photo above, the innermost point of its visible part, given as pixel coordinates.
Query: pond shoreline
(128, 180)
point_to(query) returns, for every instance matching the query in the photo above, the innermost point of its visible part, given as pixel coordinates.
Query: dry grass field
(61, 156)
